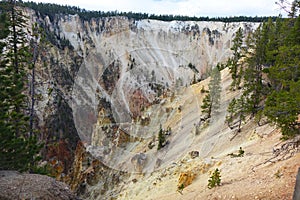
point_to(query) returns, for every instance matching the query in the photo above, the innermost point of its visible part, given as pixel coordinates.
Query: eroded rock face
(128, 64)
(14, 185)
(104, 75)
(90, 178)
(131, 63)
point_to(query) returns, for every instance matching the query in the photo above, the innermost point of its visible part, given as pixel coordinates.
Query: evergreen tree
(253, 89)
(211, 101)
(207, 105)
(236, 68)
(18, 149)
(271, 80)
(283, 108)
(215, 179)
(275, 39)
(231, 109)
(161, 138)
(237, 113)
(282, 105)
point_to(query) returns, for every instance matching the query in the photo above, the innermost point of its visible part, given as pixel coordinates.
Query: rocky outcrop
(14, 185)
(90, 178)
(194, 154)
(185, 179)
(139, 161)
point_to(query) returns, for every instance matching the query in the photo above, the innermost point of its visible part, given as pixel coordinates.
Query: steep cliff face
(115, 82)
(129, 63)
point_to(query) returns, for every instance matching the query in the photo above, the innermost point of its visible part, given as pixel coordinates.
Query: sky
(211, 8)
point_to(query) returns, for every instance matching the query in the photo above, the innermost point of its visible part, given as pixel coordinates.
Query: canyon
(112, 84)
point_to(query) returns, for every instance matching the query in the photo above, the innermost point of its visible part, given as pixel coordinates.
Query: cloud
(175, 1)
(210, 8)
(228, 8)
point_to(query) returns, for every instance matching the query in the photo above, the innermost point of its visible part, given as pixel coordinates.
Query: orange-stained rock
(186, 178)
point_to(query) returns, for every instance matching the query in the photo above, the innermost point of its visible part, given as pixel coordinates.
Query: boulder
(15, 185)
(194, 154)
(139, 161)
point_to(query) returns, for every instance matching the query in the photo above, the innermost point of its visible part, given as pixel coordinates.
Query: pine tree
(161, 138)
(207, 105)
(277, 46)
(274, 41)
(294, 7)
(236, 68)
(215, 88)
(211, 101)
(254, 90)
(271, 79)
(282, 105)
(232, 109)
(18, 149)
(237, 113)
(215, 179)
(283, 108)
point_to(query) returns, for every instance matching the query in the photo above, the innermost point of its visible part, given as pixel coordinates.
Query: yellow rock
(186, 178)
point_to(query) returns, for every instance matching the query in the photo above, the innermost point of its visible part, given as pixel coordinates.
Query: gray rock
(15, 185)
(194, 154)
(297, 187)
(139, 161)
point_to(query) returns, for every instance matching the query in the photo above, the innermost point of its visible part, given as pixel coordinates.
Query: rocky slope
(115, 82)
(260, 174)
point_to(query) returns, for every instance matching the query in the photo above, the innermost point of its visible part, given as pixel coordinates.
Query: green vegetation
(19, 146)
(211, 101)
(240, 153)
(207, 105)
(270, 76)
(237, 113)
(215, 179)
(203, 90)
(180, 188)
(236, 68)
(278, 174)
(51, 10)
(161, 139)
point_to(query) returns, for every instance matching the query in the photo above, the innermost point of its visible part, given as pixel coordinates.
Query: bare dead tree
(292, 8)
(283, 151)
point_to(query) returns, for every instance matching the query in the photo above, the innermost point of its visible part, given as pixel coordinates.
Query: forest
(266, 71)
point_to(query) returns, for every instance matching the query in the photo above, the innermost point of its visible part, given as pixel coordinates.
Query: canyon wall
(113, 83)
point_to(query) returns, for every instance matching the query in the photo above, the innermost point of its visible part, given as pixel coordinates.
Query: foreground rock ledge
(15, 185)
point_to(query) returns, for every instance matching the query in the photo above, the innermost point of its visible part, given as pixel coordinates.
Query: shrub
(215, 179)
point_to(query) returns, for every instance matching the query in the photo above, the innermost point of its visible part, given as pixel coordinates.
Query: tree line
(265, 68)
(48, 9)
